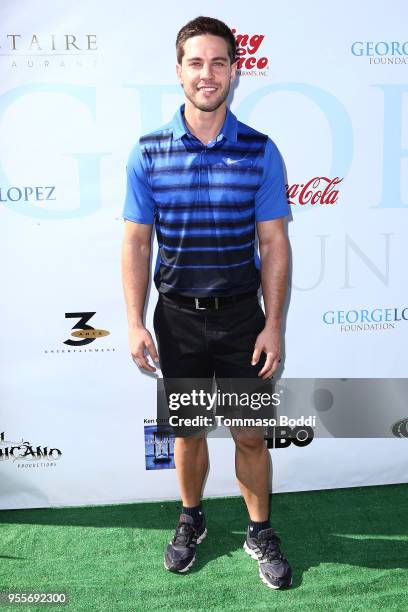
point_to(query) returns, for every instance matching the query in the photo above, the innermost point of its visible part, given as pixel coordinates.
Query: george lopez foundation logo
(365, 319)
(27, 455)
(381, 52)
(32, 193)
(318, 190)
(48, 50)
(250, 59)
(82, 335)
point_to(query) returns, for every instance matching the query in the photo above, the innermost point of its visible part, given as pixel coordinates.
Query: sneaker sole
(182, 571)
(254, 556)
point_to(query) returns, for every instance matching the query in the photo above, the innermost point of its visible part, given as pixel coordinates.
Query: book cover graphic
(159, 448)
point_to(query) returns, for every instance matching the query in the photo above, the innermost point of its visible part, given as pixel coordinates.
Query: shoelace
(184, 534)
(269, 548)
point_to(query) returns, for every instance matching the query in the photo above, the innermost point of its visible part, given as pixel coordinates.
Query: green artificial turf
(348, 549)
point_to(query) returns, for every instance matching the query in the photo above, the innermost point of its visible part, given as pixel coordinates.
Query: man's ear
(233, 71)
(178, 72)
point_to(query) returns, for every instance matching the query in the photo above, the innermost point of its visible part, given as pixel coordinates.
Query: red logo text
(319, 190)
(247, 47)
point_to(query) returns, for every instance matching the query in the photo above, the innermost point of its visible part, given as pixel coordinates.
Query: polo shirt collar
(229, 129)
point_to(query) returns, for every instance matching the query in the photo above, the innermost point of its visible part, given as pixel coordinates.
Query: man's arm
(135, 278)
(274, 253)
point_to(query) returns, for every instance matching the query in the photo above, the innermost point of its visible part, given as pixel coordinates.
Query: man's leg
(240, 326)
(185, 364)
(252, 471)
(191, 459)
(235, 333)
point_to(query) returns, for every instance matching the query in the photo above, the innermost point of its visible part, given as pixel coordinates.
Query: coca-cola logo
(318, 190)
(248, 54)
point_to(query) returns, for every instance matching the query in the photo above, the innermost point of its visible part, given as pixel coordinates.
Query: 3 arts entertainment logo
(82, 335)
(318, 190)
(381, 52)
(27, 455)
(48, 50)
(366, 319)
(250, 59)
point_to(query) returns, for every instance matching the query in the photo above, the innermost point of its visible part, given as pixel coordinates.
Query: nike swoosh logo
(230, 161)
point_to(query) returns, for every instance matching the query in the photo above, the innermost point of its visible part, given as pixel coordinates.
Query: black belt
(204, 303)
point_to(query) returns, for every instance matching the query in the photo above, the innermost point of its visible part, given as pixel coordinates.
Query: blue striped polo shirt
(204, 201)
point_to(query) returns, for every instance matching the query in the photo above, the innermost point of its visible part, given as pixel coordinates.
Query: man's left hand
(268, 341)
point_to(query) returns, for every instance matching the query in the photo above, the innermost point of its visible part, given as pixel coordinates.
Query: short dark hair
(206, 25)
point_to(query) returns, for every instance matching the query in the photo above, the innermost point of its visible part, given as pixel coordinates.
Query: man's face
(206, 72)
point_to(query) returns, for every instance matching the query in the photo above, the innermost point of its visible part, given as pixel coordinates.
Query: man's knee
(249, 441)
(192, 441)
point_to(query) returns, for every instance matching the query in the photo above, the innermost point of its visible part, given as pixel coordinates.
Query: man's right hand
(141, 343)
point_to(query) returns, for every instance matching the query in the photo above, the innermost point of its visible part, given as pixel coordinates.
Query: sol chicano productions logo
(250, 61)
(82, 335)
(366, 319)
(28, 455)
(49, 50)
(318, 190)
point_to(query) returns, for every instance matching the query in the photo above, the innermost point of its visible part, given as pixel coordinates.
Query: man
(207, 180)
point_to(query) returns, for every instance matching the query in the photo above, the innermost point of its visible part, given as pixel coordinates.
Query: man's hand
(268, 341)
(141, 341)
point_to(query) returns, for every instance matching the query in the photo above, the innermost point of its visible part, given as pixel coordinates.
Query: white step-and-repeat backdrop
(79, 83)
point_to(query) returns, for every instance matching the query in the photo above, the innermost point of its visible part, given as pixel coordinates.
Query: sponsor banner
(72, 105)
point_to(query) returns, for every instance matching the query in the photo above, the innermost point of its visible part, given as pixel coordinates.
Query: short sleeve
(139, 202)
(270, 199)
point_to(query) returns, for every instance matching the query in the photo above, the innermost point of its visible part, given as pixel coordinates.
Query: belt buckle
(198, 307)
(197, 304)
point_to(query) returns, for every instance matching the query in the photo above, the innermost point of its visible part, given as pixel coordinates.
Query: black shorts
(197, 345)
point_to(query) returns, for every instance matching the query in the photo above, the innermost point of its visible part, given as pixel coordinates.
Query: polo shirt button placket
(200, 170)
(199, 175)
